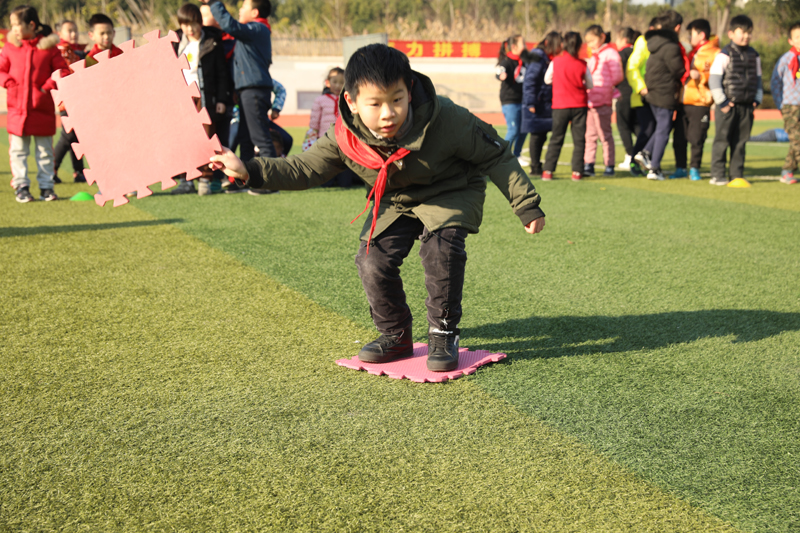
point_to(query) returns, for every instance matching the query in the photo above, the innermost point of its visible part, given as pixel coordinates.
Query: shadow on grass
(44, 230)
(567, 336)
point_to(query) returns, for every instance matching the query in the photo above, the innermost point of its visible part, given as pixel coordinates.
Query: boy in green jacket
(426, 161)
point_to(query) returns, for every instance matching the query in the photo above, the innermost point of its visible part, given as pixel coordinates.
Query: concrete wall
(468, 82)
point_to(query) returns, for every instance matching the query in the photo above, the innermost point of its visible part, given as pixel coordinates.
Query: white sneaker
(655, 175)
(643, 159)
(718, 181)
(626, 164)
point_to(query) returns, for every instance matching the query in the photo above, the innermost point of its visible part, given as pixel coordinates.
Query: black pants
(561, 119)
(443, 258)
(255, 103)
(691, 128)
(647, 125)
(626, 124)
(536, 144)
(63, 147)
(733, 129)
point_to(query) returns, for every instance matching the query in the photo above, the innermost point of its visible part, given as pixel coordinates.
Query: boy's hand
(532, 109)
(221, 108)
(643, 92)
(694, 74)
(274, 114)
(726, 108)
(536, 226)
(232, 166)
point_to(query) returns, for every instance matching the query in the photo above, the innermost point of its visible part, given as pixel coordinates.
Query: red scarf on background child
(694, 52)
(335, 103)
(515, 57)
(624, 47)
(366, 156)
(265, 22)
(793, 64)
(96, 50)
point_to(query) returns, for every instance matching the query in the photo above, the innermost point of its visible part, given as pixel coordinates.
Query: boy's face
(192, 31)
(621, 41)
(102, 35)
(68, 32)
(794, 38)
(697, 37)
(382, 110)
(247, 13)
(336, 84)
(740, 37)
(208, 18)
(20, 30)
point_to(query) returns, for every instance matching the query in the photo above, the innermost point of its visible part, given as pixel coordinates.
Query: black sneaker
(48, 195)
(233, 189)
(588, 170)
(259, 192)
(24, 195)
(442, 350)
(56, 179)
(387, 348)
(78, 177)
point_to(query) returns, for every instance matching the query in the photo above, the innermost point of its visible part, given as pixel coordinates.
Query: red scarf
(624, 47)
(335, 103)
(265, 22)
(364, 155)
(793, 64)
(516, 58)
(686, 64)
(694, 52)
(595, 53)
(96, 50)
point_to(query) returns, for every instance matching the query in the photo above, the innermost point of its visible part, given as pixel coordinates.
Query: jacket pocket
(13, 97)
(38, 98)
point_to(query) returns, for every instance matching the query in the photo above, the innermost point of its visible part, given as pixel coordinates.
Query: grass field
(169, 365)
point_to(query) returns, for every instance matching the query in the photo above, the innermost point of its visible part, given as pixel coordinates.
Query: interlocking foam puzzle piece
(135, 119)
(414, 368)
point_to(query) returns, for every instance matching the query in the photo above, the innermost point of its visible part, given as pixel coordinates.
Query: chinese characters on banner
(447, 48)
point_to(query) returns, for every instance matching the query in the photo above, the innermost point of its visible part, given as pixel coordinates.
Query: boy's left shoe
(442, 350)
(576, 176)
(656, 175)
(609, 171)
(694, 174)
(679, 173)
(48, 195)
(787, 177)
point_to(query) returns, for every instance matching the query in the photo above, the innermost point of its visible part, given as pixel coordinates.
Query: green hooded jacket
(442, 181)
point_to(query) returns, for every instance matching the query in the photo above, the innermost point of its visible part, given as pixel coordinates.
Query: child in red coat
(26, 63)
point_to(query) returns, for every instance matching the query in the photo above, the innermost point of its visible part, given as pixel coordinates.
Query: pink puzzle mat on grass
(414, 368)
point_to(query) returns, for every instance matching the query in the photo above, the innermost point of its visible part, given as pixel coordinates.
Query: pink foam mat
(414, 368)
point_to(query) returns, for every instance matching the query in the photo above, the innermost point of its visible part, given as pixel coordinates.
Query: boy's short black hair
(189, 14)
(700, 26)
(741, 21)
(376, 64)
(264, 7)
(629, 34)
(100, 18)
(669, 19)
(795, 26)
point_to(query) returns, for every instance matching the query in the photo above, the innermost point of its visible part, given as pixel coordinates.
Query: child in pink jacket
(325, 108)
(606, 68)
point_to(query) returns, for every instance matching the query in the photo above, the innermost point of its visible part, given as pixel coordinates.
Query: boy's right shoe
(635, 170)
(656, 175)
(643, 158)
(23, 195)
(78, 177)
(388, 348)
(626, 164)
(787, 177)
(694, 174)
(547, 176)
(48, 195)
(204, 187)
(588, 170)
(679, 173)
(609, 171)
(442, 350)
(719, 181)
(576, 176)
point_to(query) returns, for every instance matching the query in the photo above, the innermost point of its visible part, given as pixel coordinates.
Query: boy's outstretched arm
(230, 165)
(536, 226)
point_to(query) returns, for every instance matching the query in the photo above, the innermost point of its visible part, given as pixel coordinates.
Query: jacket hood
(43, 43)
(426, 108)
(656, 39)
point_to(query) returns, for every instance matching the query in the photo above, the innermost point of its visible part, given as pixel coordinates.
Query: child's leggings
(562, 119)
(598, 125)
(18, 151)
(791, 123)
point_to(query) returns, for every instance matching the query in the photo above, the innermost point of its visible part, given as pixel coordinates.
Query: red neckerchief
(366, 156)
(793, 63)
(265, 22)
(624, 47)
(515, 57)
(694, 52)
(335, 103)
(96, 50)
(597, 61)
(686, 64)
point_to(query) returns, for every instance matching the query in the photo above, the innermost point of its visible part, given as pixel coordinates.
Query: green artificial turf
(152, 382)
